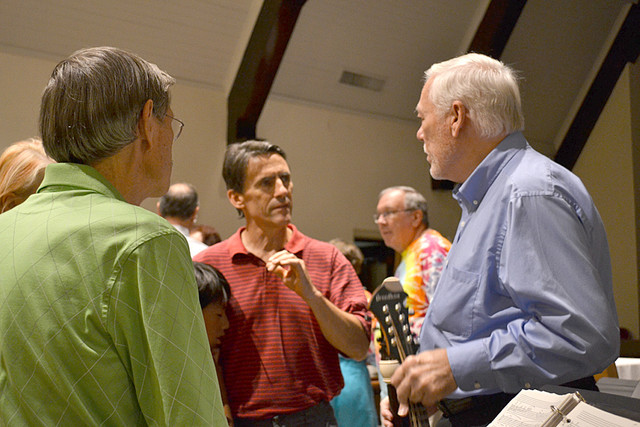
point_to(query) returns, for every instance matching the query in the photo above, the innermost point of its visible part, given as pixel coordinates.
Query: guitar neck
(388, 304)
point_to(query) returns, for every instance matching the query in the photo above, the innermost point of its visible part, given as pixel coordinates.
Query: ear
(194, 215)
(147, 125)
(236, 199)
(457, 118)
(416, 218)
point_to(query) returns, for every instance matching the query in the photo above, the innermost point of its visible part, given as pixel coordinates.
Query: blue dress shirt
(526, 296)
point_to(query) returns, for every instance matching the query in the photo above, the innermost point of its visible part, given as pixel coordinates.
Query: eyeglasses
(176, 126)
(384, 215)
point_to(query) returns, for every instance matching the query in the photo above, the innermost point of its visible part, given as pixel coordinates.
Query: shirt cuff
(471, 367)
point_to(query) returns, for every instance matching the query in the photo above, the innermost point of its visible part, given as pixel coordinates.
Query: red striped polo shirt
(274, 357)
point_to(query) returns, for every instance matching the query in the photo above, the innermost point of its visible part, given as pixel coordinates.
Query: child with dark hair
(214, 293)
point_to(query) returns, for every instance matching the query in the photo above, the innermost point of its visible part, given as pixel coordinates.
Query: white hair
(487, 88)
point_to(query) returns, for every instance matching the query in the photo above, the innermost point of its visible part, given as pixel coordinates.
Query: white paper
(531, 408)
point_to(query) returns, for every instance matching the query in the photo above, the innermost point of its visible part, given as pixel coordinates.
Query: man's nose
(281, 187)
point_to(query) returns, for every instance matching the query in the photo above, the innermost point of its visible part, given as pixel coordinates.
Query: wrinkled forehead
(390, 200)
(266, 165)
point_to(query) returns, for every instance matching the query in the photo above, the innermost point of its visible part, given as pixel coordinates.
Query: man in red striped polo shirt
(296, 302)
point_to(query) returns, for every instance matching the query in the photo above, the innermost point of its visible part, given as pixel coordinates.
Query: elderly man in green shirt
(99, 315)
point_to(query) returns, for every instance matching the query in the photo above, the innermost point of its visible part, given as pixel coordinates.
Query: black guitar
(389, 305)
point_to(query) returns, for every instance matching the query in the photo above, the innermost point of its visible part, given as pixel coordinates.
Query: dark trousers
(320, 415)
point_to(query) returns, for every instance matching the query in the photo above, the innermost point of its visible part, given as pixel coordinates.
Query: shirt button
(475, 202)
(527, 385)
(477, 385)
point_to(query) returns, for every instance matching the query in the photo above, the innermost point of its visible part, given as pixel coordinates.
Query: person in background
(403, 221)
(355, 405)
(21, 171)
(205, 234)
(179, 206)
(296, 302)
(214, 293)
(99, 314)
(525, 298)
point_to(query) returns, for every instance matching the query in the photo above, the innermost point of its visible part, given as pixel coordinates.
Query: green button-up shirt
(99, 315)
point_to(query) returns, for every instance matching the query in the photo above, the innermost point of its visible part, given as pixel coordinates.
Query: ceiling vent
(360, 80)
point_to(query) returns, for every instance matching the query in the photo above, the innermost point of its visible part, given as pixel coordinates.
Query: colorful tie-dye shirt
(419, 272)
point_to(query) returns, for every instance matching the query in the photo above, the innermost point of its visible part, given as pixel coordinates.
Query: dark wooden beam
(625, 49)
(490, 39)
(259, 66)
(496, 27)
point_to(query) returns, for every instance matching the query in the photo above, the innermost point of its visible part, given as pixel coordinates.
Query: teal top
(100, 321)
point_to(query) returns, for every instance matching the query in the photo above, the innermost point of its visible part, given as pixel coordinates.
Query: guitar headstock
(389, 305)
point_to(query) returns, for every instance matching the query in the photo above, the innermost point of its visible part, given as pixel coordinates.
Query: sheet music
(531, 408)
(585, 415)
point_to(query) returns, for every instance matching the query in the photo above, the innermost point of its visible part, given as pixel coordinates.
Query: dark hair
(236, 160)
(212, 285)
(92, 103)
(180, 201)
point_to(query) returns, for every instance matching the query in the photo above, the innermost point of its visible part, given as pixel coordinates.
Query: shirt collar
(471, 192)
(416, 243)
(295, 245)
(75, 175)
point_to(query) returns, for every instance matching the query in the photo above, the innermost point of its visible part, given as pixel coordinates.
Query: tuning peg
(385, 308)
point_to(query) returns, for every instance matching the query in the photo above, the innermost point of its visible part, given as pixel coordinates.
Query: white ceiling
(558, 46)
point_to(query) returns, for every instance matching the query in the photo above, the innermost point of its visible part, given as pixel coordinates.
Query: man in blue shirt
(525, 298)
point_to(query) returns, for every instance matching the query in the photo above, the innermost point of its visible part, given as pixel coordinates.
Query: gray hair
(487, 88)
(412, 200)
(91, 106)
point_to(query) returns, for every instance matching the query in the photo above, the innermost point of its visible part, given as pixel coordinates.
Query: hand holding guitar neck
(388, 304)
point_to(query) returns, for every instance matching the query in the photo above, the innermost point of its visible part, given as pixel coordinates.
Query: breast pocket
(453, 304)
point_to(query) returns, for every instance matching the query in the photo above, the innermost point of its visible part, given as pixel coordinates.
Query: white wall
(606, 168)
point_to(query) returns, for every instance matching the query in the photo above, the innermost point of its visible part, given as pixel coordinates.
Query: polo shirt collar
(75, 175)
(295, 245)
(470, 193)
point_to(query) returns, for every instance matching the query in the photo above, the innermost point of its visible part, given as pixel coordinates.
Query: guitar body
(389, 306)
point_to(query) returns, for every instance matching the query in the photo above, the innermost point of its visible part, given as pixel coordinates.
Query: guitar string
(414, 408)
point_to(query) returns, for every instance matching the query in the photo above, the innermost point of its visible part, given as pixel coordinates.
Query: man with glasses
(403, 221)
(401, 216)
(100, 321)
(526, 296)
